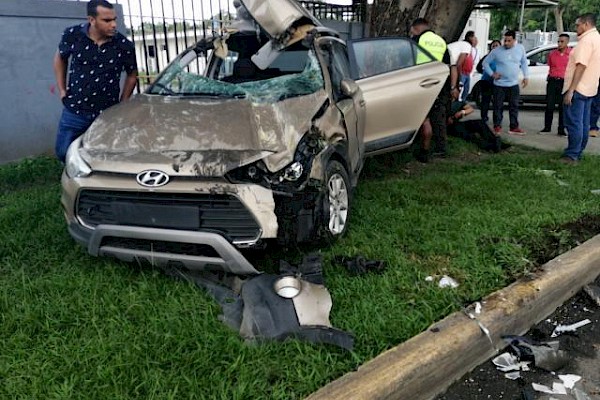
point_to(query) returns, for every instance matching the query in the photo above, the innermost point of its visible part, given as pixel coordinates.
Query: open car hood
(197, 136)
(278, 17)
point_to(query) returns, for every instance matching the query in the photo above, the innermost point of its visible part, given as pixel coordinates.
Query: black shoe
(422, 156)
(497, 146)
(563, 133)
(544, 131)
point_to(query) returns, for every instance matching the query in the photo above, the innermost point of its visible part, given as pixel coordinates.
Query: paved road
(531, 119)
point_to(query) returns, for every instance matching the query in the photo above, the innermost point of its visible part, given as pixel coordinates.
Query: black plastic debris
(593, 291)
(267, 315)
(254, 308)
(221, 288)
(527, 394)
(311, 268)
(544, 355)
(359, 265)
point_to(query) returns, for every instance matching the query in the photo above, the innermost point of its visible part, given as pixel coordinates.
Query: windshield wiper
(167, 89)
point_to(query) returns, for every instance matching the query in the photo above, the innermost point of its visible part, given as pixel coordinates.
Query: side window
(338, 65)
(378, 56)
(539, 58)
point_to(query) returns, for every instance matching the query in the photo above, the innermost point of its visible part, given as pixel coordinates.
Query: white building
(479, 22)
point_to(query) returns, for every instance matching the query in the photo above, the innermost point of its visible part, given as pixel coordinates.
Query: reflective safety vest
(432, 43)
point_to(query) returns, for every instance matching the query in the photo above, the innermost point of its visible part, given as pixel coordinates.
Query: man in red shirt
(557, 63)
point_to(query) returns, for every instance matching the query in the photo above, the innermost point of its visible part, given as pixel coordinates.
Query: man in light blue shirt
(509, 59)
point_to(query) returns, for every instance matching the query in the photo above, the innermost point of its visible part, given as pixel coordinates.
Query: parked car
(257, 135)
(535, 91)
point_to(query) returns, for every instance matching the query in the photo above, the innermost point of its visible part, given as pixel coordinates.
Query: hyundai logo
(152, 178)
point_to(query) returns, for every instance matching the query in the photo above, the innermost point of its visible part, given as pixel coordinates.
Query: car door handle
(427, 83)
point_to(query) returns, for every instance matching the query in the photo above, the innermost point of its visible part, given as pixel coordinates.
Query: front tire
(336, 207)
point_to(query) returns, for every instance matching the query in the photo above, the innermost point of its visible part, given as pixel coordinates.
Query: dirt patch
(521, 256)
(559, 239)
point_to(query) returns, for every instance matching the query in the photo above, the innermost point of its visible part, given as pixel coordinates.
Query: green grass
(73, 326)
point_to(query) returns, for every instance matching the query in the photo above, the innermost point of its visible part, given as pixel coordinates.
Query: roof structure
(487, 4)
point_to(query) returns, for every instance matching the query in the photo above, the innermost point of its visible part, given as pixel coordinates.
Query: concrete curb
(427, 364)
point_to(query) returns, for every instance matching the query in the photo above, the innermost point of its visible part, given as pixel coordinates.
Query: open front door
(398, 92)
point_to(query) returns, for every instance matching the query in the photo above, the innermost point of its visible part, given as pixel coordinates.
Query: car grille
(223, 214)
(160, 246)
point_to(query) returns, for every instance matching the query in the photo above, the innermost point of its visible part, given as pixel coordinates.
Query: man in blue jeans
(595, 114)
(509, 59)
(581, 85)
(99, 54)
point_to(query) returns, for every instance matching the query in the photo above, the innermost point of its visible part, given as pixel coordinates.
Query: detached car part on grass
(258, 134)
(293, 304)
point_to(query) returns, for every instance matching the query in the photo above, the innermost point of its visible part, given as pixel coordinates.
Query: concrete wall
(29, 103)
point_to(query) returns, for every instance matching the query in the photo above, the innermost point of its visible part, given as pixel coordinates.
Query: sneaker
(593, 133)
(497, 130)
(544, 131)
(516, 131)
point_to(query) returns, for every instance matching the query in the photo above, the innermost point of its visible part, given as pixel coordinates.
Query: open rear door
(397, 91)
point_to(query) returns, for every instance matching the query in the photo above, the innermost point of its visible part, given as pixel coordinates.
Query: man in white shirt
(469, 65)
(459, 52)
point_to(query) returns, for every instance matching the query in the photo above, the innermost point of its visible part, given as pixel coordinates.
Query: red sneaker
(516, 131)
(497, 130)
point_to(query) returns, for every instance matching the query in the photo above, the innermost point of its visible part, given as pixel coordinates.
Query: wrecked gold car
(258, 134)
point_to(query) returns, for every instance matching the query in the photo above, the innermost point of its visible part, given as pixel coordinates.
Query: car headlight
(75, 167)
(294, 173)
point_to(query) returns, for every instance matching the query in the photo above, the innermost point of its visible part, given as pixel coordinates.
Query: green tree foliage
(535, 18)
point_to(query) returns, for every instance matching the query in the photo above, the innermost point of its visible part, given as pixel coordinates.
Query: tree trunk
(393, 17)
(558, 18)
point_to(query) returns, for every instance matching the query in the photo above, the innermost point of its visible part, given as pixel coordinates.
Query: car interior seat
(244, 70)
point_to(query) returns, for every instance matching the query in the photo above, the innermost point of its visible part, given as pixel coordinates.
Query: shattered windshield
(292, 74)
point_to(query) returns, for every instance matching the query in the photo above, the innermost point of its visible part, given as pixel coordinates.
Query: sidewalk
(532, 120)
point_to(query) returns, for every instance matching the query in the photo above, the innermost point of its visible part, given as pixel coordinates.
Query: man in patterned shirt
(98, 55)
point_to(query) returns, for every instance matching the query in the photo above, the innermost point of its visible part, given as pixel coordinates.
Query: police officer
(435, 123)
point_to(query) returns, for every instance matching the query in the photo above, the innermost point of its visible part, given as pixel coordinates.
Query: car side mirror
(532, 63)
(348, 87)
